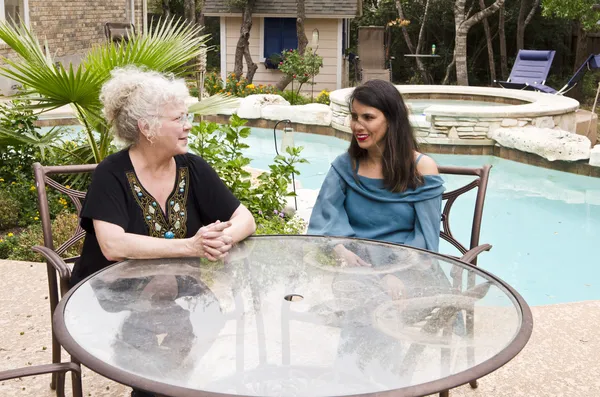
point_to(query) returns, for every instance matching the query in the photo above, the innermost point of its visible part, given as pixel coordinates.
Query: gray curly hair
(133, 94)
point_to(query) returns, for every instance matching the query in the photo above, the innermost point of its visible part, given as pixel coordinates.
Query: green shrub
(221, 146)
(295, 98)
(280, 224)
(9, 210)
(19, 246)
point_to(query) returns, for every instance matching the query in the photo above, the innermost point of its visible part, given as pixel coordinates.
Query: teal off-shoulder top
(357, 206)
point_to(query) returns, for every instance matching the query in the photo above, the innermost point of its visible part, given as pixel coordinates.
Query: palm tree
(172, 47)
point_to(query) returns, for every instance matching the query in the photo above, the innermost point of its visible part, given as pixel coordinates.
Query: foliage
(213, 83)
(581, 10)
(170, 47)
(294, 97)
(323, 98)
(234, 87)
(16, 162)
(19, 247)
(301, 67)
(222, 147)
(9, 210)
(280, 224)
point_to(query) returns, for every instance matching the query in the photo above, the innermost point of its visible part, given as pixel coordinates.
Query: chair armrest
(39, 370)
(64, 272)
(471, 254)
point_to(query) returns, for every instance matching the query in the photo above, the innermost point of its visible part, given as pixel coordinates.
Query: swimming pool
(544, 224)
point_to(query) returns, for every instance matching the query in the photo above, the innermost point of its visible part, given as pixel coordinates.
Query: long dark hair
(398, 161)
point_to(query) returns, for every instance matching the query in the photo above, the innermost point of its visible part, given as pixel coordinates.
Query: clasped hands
(211, 242)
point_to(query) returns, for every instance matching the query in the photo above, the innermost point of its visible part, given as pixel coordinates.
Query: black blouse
(199, 198)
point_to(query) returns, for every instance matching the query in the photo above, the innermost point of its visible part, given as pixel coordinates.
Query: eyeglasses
(183, 119)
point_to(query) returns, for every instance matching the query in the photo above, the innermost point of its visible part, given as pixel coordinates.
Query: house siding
(71, 28)
(328, 48)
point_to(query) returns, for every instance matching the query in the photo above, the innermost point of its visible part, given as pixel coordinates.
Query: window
(279, 34)
(13, 10)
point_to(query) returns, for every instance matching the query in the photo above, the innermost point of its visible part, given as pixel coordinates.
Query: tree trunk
(166, 10)
(460, 53)
(502, 34)
(449, 69)
(242, 47)
(409, 44)
(302, 40)
(490, 48)
(426, 77)
(523, 21)
(252, 67)
(200, 12)
(534, 7)
(521, 24)
(581, 54)
(462, 26)
(189, 11)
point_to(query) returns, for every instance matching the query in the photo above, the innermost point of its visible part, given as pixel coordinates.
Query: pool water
(543, 224)
(418, 106)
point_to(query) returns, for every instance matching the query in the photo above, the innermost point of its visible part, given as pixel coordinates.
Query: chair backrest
(531, 66)
(480, 181)
(119, 31)
(43, 179)
(592, 62)
(371, 48)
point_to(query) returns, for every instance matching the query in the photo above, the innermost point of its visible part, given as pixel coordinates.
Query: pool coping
(535, 103)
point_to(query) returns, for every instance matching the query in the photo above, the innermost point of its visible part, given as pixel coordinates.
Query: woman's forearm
(242, 224)
(135, 246)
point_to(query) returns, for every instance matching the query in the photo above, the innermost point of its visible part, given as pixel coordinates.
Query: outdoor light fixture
(202, 70)
(315, 47)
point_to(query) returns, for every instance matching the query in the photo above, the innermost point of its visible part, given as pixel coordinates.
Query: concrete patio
(561, 358)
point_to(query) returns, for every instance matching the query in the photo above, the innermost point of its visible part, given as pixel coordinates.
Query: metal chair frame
(55, 264)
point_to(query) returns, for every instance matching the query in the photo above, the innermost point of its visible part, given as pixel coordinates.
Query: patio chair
(60, 369)
(480, 182)
(592, 62)
(469, 255)
(531, 67)
(54, 262)
(371, 53)
(119, 31)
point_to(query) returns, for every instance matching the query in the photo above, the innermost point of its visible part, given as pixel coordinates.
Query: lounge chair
(531, 68)
(592, 62)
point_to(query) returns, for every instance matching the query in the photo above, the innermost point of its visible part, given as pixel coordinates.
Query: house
(69, 27)
(274, 29)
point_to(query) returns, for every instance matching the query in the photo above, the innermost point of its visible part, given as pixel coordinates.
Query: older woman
(154, 199)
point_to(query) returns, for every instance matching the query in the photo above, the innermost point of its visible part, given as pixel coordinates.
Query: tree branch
(476, 18)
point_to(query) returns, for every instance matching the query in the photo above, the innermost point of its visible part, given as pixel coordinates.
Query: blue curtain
(280, 34)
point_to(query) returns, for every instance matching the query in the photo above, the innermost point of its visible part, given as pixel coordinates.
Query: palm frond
(168, 48)
(214, 105)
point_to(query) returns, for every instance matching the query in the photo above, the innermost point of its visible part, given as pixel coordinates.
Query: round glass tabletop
(295, 316)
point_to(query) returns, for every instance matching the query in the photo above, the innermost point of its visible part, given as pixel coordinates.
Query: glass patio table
(285, 316)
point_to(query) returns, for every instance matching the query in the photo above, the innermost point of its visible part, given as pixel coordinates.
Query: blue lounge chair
(531, 68)
(592, 62)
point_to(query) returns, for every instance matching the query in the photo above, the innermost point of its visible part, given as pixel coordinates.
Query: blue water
(543, 224)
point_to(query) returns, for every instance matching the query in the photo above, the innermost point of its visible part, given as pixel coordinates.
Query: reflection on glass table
(288, 315)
